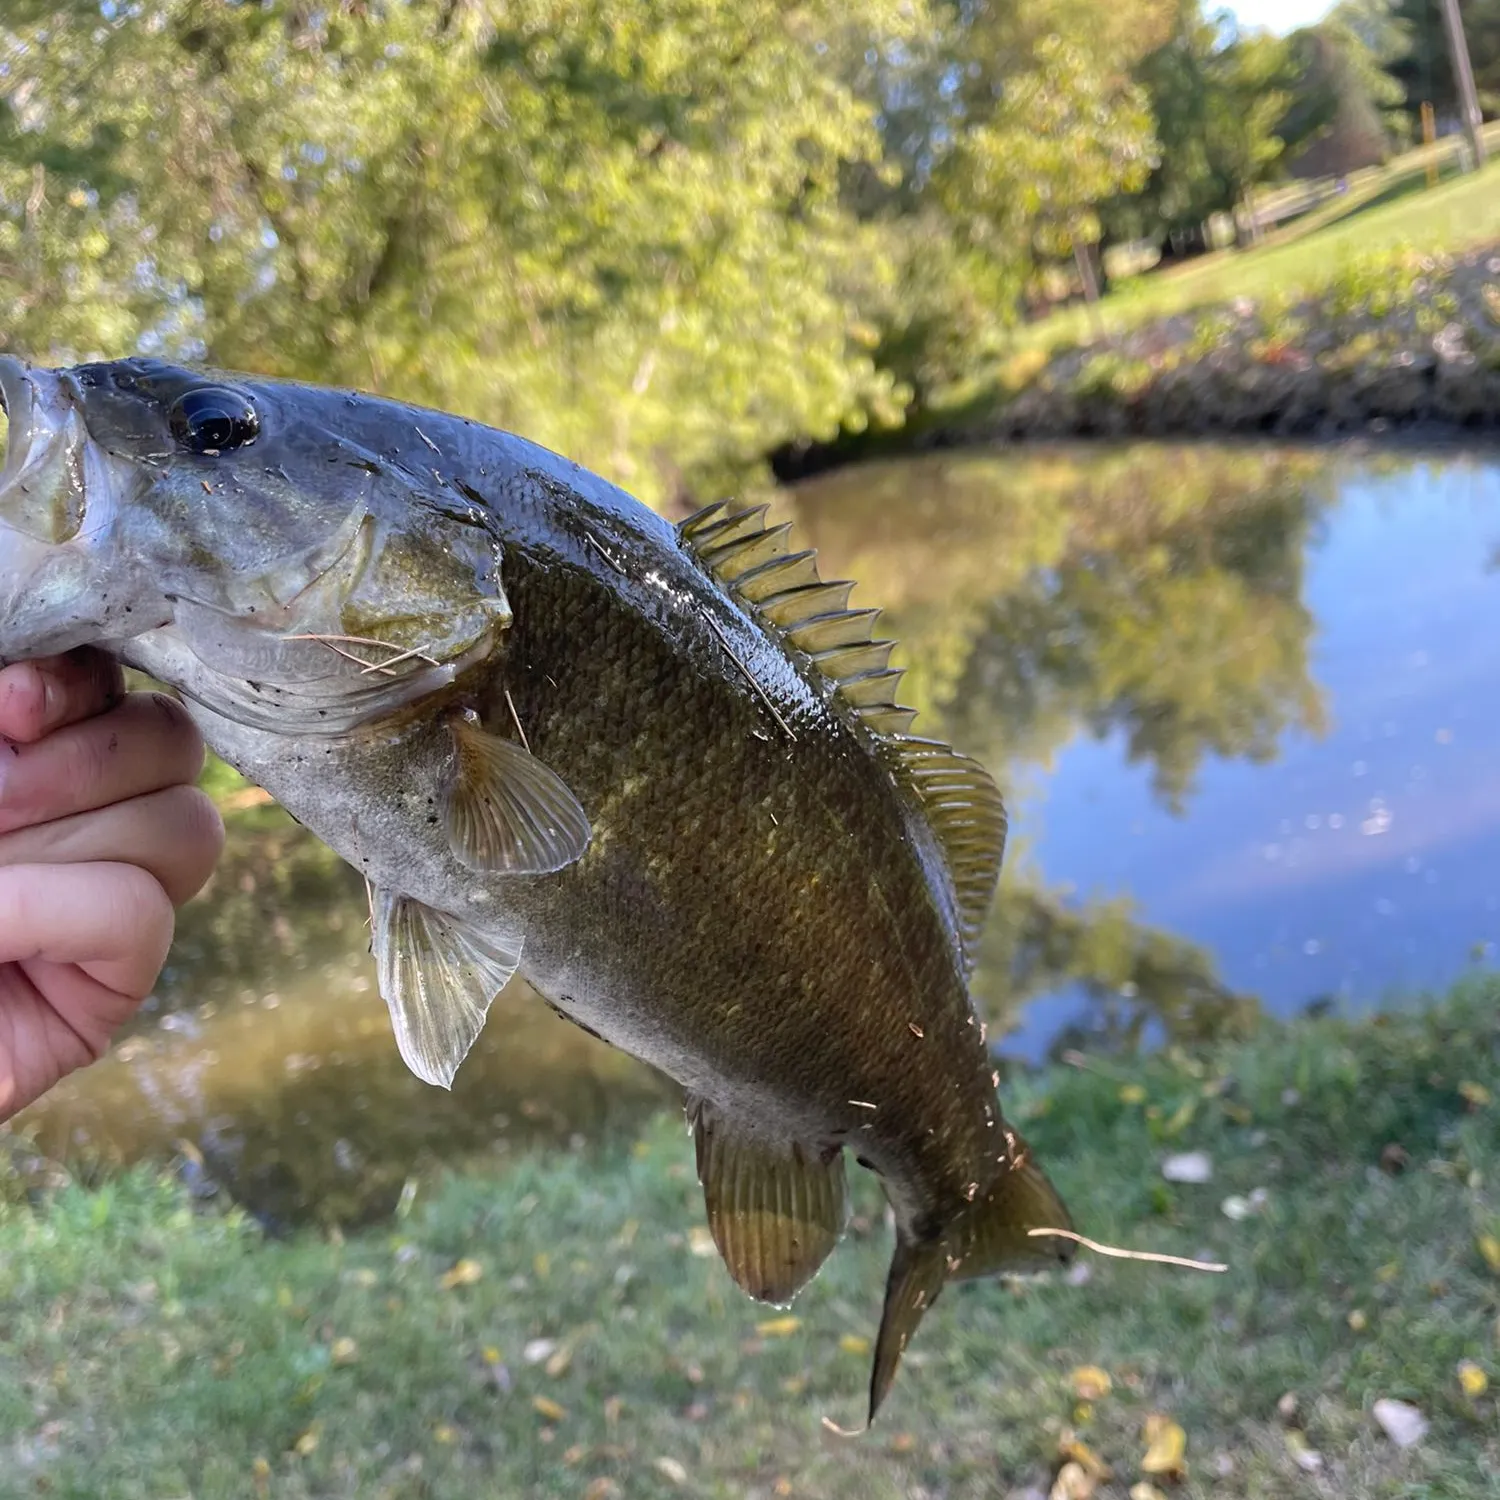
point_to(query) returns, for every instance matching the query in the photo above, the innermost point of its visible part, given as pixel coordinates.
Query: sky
(1280, 15)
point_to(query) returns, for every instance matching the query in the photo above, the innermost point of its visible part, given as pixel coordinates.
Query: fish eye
(213, 420)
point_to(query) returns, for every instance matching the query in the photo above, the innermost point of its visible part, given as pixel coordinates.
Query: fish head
(231, 531)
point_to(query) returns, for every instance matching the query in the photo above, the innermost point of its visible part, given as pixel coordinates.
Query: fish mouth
(57, 498)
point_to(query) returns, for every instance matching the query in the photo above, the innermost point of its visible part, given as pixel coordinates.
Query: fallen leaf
(364, 1277)
(1076, 1451)
(344, 1351)
(1394, 1158)
(701, 1242)
(307, 1443)
(1489, 1248)
(1144, 1491)
(1090, 1383)
(1286, 1406)
(574, 1455)
(1475, 1095)
(854, 1343)
(778, 1328)
(672, 1469)
(1132, 1093)
(1306, 1457)
(1166, 1443)
(465, 1273)
(558, 1364)
(1188, 1166)
(1472, 1378)
(536, 1350)
(1073, 1482)
(545, 1406)
(1358, 1320)
(903, 1442)
(602, 1488)
(491, 1355)
(261, 1468)
(1401, 1422)
(445, 1434)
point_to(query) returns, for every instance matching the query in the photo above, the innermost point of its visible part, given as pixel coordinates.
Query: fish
(660, 770)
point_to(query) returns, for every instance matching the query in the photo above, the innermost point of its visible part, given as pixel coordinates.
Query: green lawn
(558, 1331)
(1454, 216)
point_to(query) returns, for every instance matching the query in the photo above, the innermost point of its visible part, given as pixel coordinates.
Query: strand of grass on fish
(659, 770)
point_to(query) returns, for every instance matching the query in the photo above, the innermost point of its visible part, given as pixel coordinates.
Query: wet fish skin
(757, 904)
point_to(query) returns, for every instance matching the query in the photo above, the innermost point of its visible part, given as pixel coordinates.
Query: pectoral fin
(775, 1209)
(507, 813)
(438, 976)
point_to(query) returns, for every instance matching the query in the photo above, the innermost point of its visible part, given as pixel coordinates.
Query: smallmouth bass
(660, 771)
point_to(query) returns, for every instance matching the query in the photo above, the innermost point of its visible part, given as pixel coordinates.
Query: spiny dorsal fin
(782, 589)
(755, 563)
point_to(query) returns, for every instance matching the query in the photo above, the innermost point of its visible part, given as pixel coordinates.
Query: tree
(1426, 71)
(619, 231)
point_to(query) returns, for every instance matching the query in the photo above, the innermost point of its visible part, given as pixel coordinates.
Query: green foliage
(618, 231)
(355, 1364)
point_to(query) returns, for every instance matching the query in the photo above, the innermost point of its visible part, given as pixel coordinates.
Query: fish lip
(18, 397)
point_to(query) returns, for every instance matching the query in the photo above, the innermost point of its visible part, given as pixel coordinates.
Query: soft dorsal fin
(781, 588)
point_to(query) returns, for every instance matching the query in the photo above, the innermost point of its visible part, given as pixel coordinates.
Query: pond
(1245, 705)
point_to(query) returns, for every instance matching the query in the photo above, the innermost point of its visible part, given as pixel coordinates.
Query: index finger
(39, 696)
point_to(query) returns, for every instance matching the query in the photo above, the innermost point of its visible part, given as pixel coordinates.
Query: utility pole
(1463, 76)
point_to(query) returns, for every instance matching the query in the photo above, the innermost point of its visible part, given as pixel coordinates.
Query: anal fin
(439, 976)
(775, 1209)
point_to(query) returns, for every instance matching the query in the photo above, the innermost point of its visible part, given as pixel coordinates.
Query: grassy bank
(558, 1330)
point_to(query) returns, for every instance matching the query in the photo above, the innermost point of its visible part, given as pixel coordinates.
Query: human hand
(102, 835)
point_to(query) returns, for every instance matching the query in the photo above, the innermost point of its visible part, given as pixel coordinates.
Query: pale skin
(103, 835)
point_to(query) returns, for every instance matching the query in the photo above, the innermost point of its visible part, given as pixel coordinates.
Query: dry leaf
(1472, 1378)
(1475, 1095)
(261, 1468)
(1286, 1406)
(1132, 1093)
(1073, 1482)
(558, 1364)
(903, 1442)
(1358, 1321)
(308, 1442)
(443, 1433)
(465, 1273)
(701, 1242)
(545, 1406)
(1307, 1458)
(344, 1351)
(1144, 1491)
(1401, 1422)
(1489, 1248)
(1075, 1450)
(854, 1343)
(778, 1328)
(1166, 1443)
(1090, 1383)
(602, 1488)
(672, 1469)
(536, 1350)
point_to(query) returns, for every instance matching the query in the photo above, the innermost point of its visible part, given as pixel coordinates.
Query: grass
(557, 1330)
(1453, 217)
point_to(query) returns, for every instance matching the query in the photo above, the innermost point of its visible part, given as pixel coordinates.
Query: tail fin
(993, 1236)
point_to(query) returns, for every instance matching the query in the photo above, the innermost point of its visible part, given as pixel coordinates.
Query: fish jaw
(62, 583)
